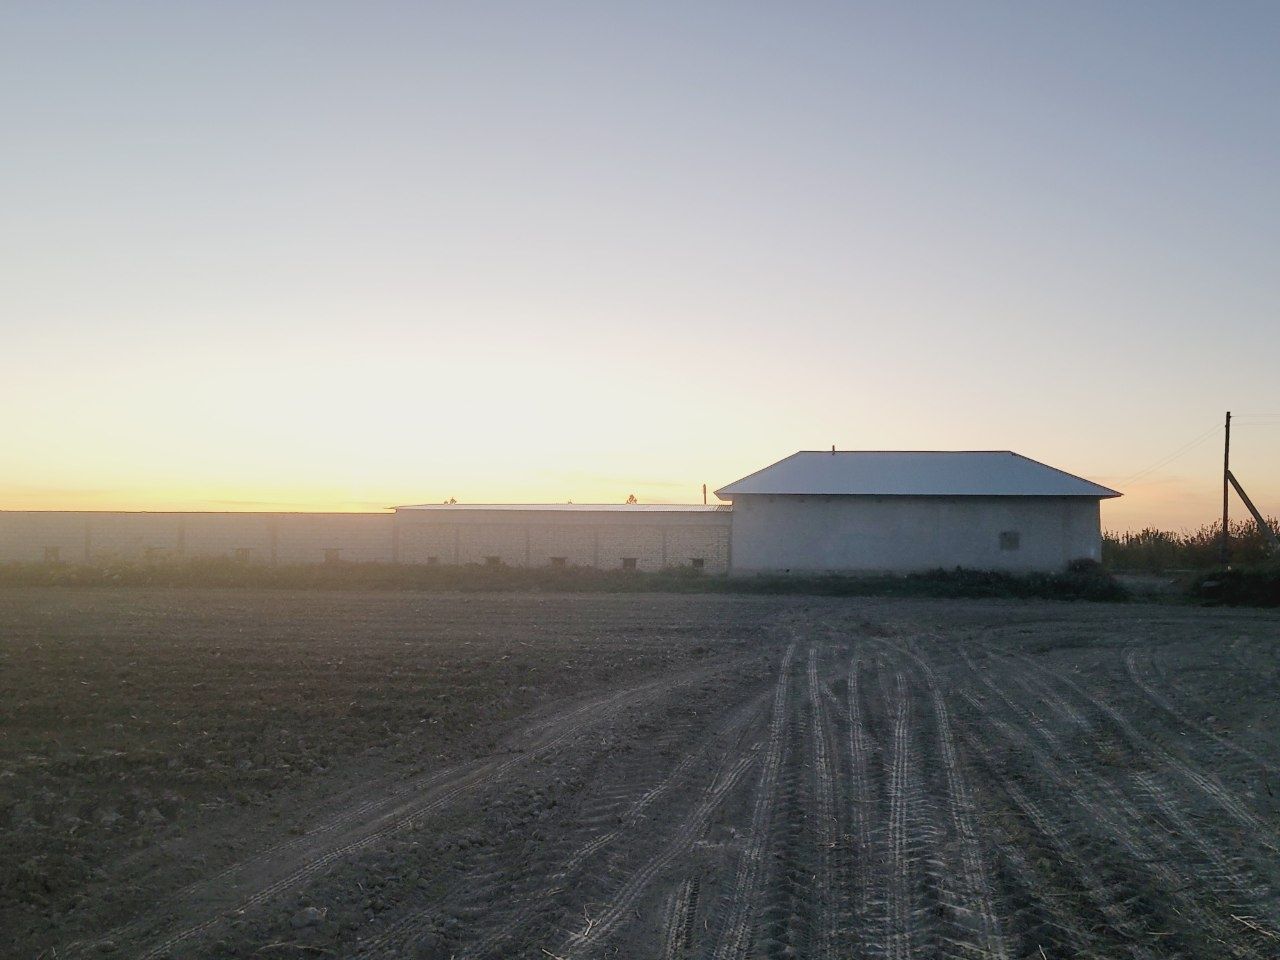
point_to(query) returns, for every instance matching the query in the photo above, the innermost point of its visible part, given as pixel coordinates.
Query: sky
(343, 256)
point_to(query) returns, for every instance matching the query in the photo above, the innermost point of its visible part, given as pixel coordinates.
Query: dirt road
(880, 779)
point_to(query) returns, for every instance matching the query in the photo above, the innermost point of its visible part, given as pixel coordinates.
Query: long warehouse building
(813, 512)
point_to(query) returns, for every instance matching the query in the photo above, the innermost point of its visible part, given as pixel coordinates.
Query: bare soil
(189, 773)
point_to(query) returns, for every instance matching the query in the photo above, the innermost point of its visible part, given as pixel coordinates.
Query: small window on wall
(698, 563)
(52, 554)
(559, 561)
(493, 561)
(245, 554)
(1010, 540)
(331, 554)
(432, 561)
(628, 563)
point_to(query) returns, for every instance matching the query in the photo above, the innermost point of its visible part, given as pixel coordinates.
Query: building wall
(582, 538)
(78, 537)
(768, 534)
(901, 534)
(517, 538)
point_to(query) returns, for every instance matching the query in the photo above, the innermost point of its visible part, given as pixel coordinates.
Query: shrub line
(1081, 582)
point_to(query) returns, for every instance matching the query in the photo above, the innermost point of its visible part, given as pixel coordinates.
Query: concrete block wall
(357, 537)
(427, 543)
(684, 543)
(248, 536)
(582, 538)
(77, 537)
(902, 534)
(28, 536)
(517, 538)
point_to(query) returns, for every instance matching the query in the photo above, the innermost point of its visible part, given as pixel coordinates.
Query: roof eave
(729, 495)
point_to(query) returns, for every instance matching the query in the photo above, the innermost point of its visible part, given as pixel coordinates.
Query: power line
(1185, 448)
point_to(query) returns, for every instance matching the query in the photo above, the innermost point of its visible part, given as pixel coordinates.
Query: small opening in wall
(432, 561)
(244, 554)
(493, 561)
(52, 554)
(559, 561)
(628, 563)
(331, 554)
(1010, 540)
(698, 563)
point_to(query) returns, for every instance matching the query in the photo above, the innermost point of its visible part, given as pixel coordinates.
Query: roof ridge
(832, 452)
(926, 473)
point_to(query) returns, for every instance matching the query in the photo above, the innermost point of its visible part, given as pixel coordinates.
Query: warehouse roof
(914, 473)
(573, 507)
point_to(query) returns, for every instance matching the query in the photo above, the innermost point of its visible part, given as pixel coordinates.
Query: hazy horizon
(319, 256)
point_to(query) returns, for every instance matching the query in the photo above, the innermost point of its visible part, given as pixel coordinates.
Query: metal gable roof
(914, 473)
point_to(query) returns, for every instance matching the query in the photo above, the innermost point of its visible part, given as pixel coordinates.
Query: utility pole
(1226, 479)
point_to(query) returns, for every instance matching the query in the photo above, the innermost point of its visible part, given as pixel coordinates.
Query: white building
(812, 512)
(646, 536)
(819, 511)
(610, 536)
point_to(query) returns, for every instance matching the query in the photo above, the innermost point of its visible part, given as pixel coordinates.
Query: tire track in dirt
(1208, 864)
(387, 803)
(679, 915)
(790, 908)
(825, 815)
(599, 928)
(861, 798)
(363, 813)
(1221, 875)
(208, 885)
(577, 721)
(725, 778)
(1144, 842)
(722, 738)
(654, 793)
(1207, 783)
(817, 902)
(1090, 883)
(980, 898)
(1041, 916)
(1163, 702)
(1069, 715)
(899, 930)
(734, 936)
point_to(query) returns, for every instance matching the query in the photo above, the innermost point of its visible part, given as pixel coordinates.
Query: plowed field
(242, 774)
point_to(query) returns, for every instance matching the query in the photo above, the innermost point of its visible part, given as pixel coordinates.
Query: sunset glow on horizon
(323, 257)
